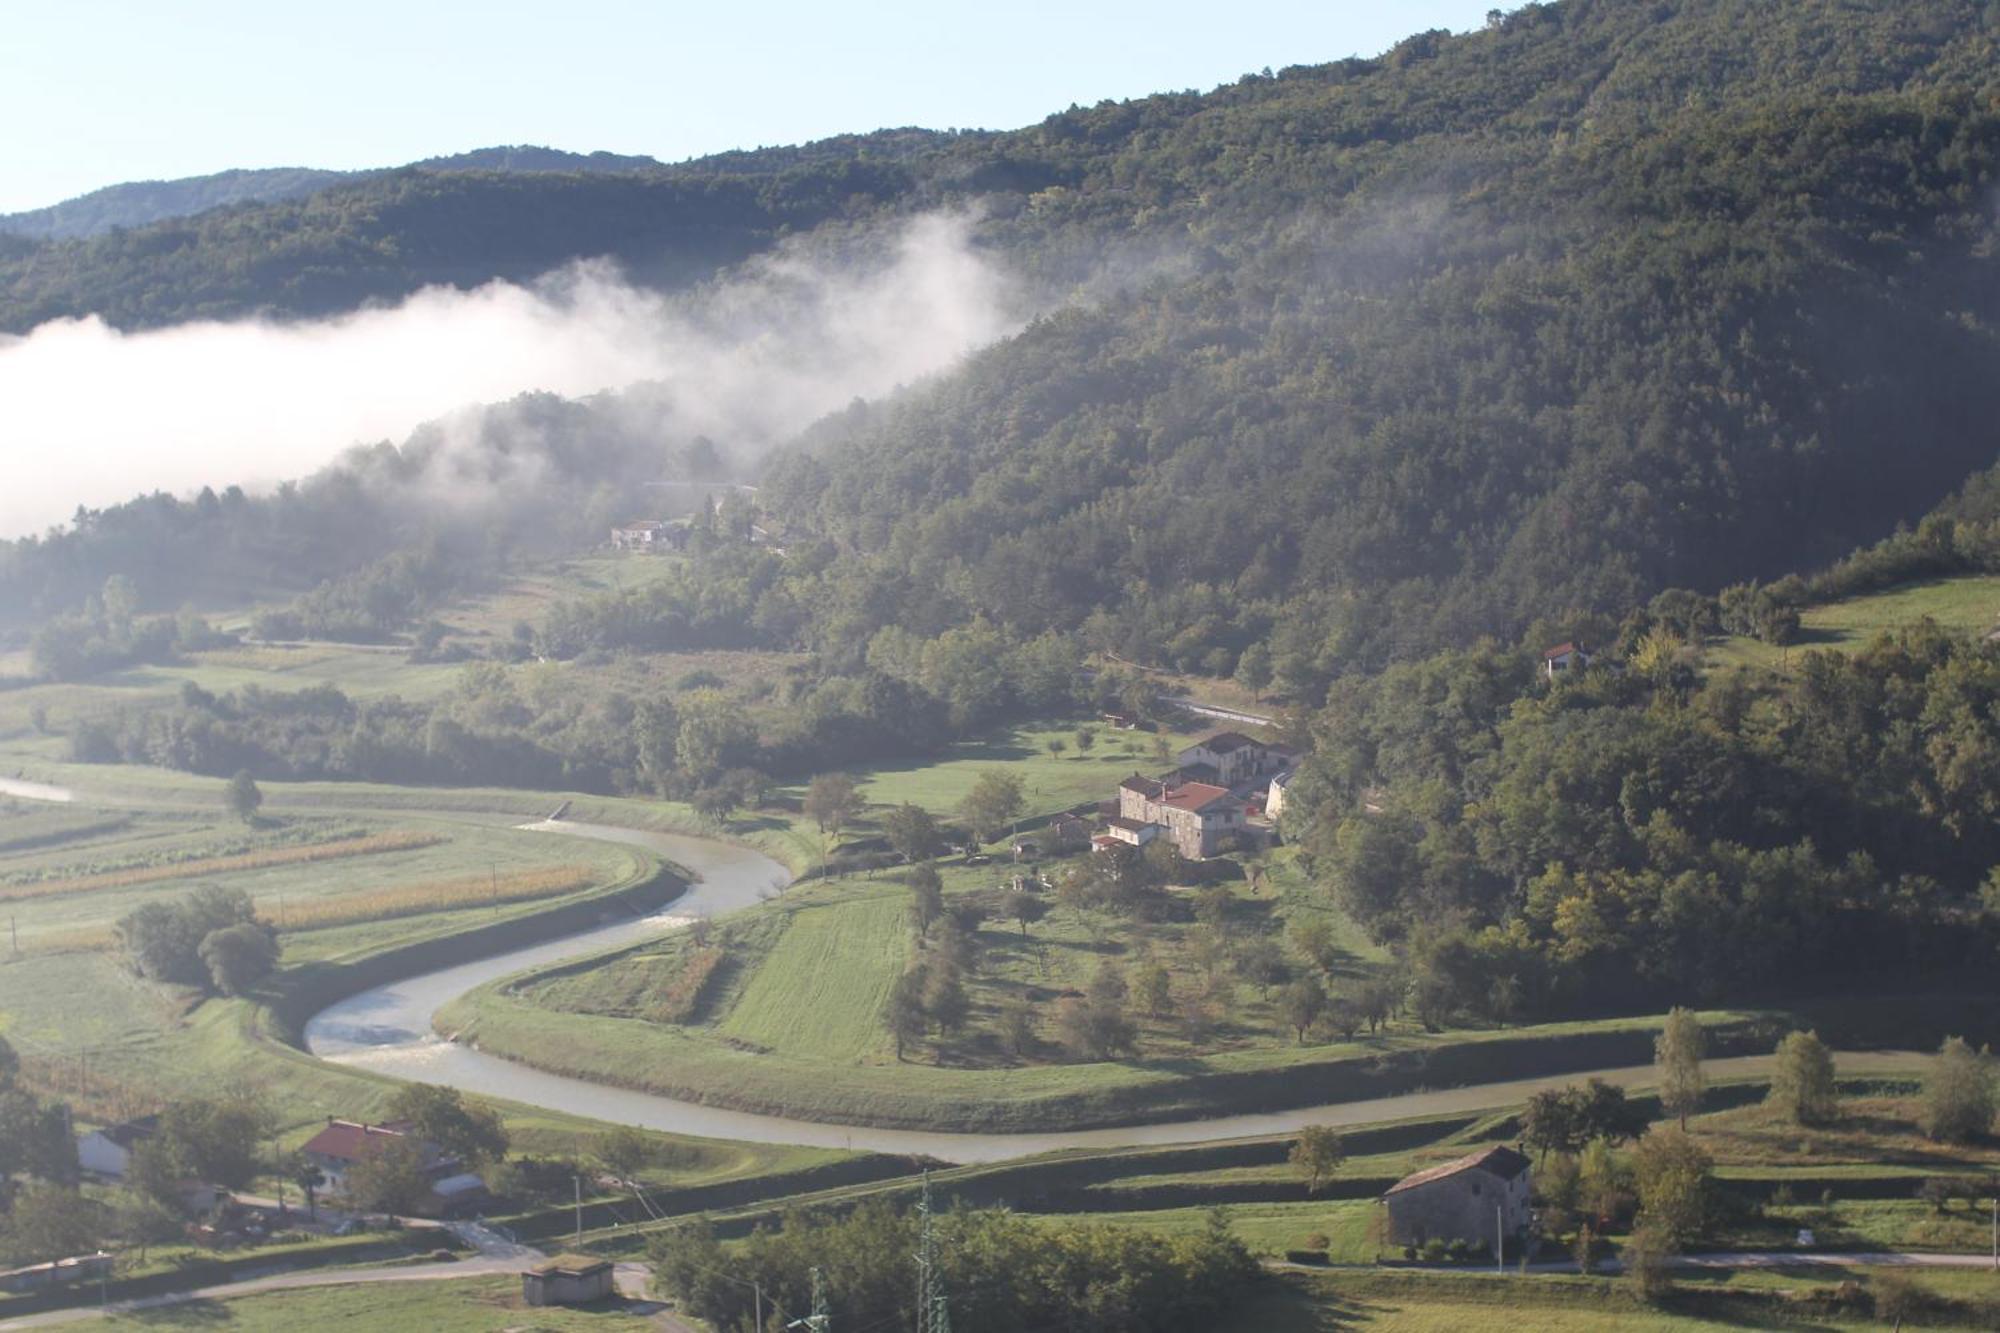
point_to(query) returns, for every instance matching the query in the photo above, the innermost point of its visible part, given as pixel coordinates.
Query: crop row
(268, 858)
(435, 896)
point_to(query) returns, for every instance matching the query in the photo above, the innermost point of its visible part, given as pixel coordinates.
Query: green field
(1968, 605)
(820, 992)
(451, 1305)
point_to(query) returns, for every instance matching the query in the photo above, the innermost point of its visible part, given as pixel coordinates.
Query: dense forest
(1341, 365)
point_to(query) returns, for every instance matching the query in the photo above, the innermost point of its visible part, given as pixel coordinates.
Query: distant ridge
(137, 203)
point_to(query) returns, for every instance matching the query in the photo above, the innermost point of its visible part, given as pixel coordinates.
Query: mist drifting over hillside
(91, 415)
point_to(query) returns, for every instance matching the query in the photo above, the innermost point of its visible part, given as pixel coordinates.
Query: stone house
(1478, 1198)
(1236, 759)
(1198, 817)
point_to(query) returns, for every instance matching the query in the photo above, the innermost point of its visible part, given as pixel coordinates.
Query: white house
(1236, 758)
(1563, 658)
(107, 1152)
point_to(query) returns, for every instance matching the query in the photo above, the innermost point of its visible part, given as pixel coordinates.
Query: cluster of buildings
(1204, 806)
(335, 1150)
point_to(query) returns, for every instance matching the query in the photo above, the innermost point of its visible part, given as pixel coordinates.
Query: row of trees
(999, 1272)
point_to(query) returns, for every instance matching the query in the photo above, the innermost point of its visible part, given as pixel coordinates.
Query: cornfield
(415, 899)
(406, 840)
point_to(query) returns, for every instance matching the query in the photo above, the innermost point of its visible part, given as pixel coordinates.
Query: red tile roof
(1499, 1160)
(1560, 650)
(1194, 796)
(346, 1141)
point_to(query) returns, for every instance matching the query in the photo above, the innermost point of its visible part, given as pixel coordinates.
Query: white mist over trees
(91, 415)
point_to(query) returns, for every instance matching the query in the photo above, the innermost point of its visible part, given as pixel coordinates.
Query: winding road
(388, 1030)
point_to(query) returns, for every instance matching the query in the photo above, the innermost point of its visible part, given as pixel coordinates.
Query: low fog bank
(92, 416)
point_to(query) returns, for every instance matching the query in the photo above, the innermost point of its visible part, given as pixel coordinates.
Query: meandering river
(388, 1030)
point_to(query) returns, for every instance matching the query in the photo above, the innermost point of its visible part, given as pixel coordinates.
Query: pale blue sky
(99, 91)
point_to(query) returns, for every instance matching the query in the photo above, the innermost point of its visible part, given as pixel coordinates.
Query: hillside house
(1480, 1197)
(1198, 817)
(107, 1152)
(646, 535)
(1131, 832)
(345, 1144)
(1236, 759)
(1564, 658)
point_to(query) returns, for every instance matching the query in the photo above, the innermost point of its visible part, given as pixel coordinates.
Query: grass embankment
(1802, 1299)
(446, 1305)
(1968, 605)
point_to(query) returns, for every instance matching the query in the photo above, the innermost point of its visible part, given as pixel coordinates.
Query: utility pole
(1499, 1239)
(578, 1182)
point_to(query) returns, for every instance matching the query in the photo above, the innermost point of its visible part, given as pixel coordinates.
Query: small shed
(568, 1279)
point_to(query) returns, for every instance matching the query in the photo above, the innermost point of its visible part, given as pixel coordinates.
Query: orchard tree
(995, 800)
(1318, 1151)
(1023, 907)
(832, 800)
(1301, 1003)
(913, 832)
(926, 895)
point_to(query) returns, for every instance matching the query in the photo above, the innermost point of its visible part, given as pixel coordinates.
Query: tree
(52, 1222)
(926, 895)
(1675, 1180)
(1086, 739)
(1261, 961)
(905, 1016)
(1095, 1029)
(1677, 1053)
(1023, 907)
(1318, 1151)
(243, 796)
(469, 1132)
(1802, 1082)
(1958, 1093)
(239, 956)
(626, 1151)
(1017, 1026)
(393, 1179)
(913, 832)
(1056, 745)
(832, 799)
(1312, 939)
(994, 801)
(945, 1000)
(305, 1173)
(1644, 1262)
(208, 1140)
(1154, 986)
(1300, 1003)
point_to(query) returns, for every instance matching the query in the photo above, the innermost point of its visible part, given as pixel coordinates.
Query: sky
(102, 91)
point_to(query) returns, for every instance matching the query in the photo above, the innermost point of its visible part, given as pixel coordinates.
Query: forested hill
(139, 203)
(1497, 330)
(336, 244)
(1361, 359)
